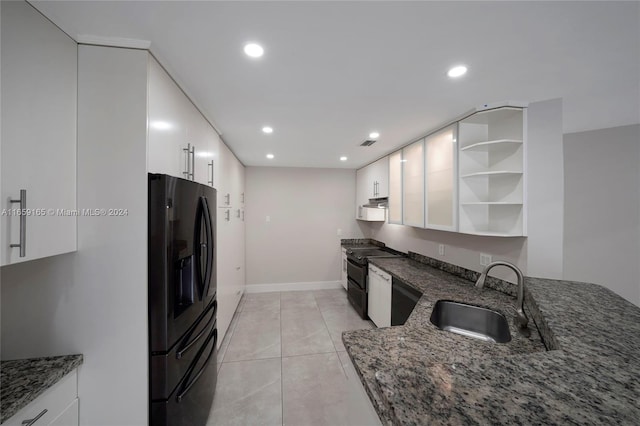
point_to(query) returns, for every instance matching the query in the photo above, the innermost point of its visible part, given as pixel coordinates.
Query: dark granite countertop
(416, 374)
(360, 243)
(23, 380)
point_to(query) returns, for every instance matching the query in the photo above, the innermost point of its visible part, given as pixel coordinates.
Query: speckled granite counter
(416, 374)
(360, 243)
(23, 380)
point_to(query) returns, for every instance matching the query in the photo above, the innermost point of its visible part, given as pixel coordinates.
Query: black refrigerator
(182, 301)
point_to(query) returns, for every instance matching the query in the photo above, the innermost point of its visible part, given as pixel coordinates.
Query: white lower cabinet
(68, 417)
(343, 269)
(360, 408)
(379, 297)
(57, 406)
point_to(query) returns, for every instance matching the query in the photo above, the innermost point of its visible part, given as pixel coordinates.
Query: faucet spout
(521, 318)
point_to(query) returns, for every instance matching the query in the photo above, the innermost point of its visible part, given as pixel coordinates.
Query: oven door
(357, 273)
(357, 297)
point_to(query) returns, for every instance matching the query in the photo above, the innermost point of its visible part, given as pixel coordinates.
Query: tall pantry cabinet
(182, 143)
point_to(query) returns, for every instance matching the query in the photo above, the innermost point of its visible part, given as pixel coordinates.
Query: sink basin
(473, 321)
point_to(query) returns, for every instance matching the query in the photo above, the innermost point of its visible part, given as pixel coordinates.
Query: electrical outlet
(339, 232)
(441, 249)
(485, 259)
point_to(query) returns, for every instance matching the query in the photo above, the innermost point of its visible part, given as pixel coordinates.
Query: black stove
(357, 273)
(361, 255)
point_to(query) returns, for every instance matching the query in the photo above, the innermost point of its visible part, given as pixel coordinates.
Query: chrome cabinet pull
(227, 215)
(227, 199)
(186, 150)
(193, 162)
(23, 223)
(190, 152)
(211, 166)
(32, 421)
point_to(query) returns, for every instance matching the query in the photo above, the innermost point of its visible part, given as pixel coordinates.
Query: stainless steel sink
(473, 321)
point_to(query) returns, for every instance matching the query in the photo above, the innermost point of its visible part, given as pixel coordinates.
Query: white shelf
(492, 203)
(497, 144)
(491, 234)
(496, 173)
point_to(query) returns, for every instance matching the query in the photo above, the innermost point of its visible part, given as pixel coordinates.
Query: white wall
(602, 209)
(306, 208)
(545, 189)
(94, 301)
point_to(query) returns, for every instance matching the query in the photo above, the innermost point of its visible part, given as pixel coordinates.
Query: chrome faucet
(521, 318)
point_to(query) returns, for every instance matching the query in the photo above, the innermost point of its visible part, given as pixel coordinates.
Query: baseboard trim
(311, 285)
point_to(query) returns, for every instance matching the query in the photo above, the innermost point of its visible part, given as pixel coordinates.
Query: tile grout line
(281, 366)
(332, 342)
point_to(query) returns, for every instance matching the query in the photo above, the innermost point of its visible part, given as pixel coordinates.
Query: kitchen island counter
(418, 374)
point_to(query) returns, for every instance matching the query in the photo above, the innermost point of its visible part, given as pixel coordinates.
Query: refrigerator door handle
(209, 246)
(189, 345)
(203, 213)
(187, 387)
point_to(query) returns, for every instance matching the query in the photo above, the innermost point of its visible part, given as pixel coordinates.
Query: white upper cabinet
(395, 187)
(372, 181)
(491, 172)
(413, 184)
(182, 143)
(39, 120)
(379, 178)
(168, 123)
(441, 179)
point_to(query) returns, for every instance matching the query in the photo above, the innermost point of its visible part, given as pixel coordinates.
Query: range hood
(374, 211)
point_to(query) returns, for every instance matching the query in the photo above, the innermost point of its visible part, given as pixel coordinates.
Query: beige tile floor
(281, 363)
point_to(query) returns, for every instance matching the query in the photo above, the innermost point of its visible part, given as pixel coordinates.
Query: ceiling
(334, 71)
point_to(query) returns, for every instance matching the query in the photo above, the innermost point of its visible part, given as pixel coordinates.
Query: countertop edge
(63, 365)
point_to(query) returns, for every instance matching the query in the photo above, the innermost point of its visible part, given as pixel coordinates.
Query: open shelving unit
(491, 155)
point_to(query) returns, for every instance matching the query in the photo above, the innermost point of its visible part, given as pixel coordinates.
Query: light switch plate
(441, 249)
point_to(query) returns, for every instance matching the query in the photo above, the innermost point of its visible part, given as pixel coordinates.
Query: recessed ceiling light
(253, 50)
(457, 71)
(374, 135)
(270, 156)
(343, 158)
(267, 129)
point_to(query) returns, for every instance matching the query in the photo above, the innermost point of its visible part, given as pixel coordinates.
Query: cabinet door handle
(242, 198)
(32, 421)
(243, 215)
(227, 199)
(211, 166)
(23, 222)
(227, 215)
(187, 151)
(238, 213)
(193, 162)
